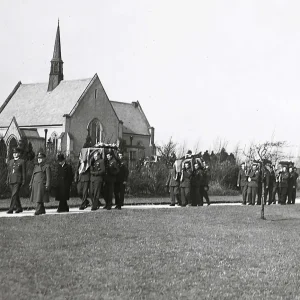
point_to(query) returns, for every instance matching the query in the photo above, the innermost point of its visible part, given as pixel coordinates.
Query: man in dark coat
(292, 185)
(111, 171)
(121, 181)
(40, 184)
(253, 178)
(173, 186)
(64, 182)
(97, 175)
(83, 181)
(15, 179)
(195, 185)
(204, 186)
(242, 182)
(185, 184)
(283, 184)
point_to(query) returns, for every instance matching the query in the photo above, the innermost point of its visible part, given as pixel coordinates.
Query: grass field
(215, 252)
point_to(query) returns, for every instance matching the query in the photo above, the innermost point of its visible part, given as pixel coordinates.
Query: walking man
(253, 178)
(64, 182)
(121, 181)
(111, 172)
(292, 185)
(15, 179)
(40, 184)
(185, 184)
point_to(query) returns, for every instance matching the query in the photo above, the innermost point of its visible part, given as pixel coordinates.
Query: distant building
(62, 113)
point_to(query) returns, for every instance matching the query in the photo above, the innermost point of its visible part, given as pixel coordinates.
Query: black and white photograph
(149, 149)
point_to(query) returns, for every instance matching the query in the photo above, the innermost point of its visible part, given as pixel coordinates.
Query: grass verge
(216, 252)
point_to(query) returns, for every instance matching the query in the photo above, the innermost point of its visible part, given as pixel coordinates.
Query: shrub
(148, 180)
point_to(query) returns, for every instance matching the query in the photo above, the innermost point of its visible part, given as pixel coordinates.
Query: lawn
(215, 252)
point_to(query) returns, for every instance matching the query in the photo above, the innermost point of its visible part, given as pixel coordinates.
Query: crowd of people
(262, 179)
(188, 181)
(106, 175)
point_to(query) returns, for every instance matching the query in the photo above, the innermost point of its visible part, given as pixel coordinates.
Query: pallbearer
(242, 182)
(97, 176)
(40, 184)
(83, 181)
(15, 179)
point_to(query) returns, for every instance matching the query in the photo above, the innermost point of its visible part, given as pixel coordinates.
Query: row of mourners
(264, 180)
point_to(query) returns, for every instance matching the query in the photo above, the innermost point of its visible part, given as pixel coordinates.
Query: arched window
(95, 131)
(52, 143)
(12, 143)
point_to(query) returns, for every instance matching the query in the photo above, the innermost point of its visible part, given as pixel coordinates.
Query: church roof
(32, 105)
(132, 116)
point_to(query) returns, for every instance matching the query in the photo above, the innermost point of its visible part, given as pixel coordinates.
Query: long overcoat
(64, 181)
(40, 179)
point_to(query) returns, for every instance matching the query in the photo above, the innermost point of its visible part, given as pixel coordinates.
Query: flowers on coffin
(105, 145)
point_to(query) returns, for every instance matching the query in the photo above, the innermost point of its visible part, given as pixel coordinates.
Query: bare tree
(272, 151)
(167, 152)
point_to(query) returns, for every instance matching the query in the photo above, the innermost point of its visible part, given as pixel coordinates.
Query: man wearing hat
(242, 182)
(15, 179)
(40, 184)
(111, 171)
(253, 178)
(121, 180)
(64, 182)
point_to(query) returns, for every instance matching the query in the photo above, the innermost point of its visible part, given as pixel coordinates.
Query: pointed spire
(57, 46)
(56, 70)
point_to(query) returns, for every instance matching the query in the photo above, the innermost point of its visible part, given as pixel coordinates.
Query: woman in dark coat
(40, 184)
(64, 181)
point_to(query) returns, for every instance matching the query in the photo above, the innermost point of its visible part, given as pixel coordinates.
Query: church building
(60, 114)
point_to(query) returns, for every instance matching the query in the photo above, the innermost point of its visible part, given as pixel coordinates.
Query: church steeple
(56, 71)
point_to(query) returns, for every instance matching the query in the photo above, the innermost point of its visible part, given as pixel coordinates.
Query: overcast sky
(202, 70)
